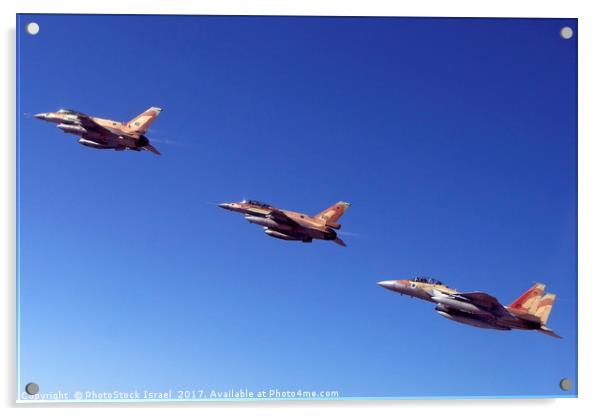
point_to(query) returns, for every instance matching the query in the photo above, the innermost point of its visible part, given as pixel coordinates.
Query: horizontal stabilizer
(152, 149)
(340, 242)
(548, 331)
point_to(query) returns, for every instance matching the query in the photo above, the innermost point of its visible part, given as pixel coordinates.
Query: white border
(590, 206)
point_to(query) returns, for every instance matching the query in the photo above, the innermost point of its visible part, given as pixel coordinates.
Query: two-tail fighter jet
(290, 225)
(530, 311)
(100, 133)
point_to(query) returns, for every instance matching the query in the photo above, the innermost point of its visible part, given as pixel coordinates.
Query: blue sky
(454, 139)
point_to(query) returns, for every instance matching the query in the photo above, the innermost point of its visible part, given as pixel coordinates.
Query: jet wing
(484, 301)
(89, 124)
(281, 217)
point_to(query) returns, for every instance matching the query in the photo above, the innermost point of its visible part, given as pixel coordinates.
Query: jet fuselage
(291, 225)
(100, 133)
(529, 312)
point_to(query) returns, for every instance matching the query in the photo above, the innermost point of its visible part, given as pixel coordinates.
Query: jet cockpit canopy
(428, 280)
(256, 202)
(68, 111)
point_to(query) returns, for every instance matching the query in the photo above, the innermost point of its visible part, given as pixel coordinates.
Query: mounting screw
(32, 388)
(566, 32)
(566, 384)
(32, 28)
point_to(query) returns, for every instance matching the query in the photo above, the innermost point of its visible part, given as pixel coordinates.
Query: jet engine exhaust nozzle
(142, 141)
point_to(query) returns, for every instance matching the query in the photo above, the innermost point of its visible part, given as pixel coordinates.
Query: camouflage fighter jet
(290, 225)
(530, 311)
(100, 133)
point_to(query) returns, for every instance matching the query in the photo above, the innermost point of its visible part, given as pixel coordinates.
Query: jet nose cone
(387, 284)
(224, 205)
(40, 116)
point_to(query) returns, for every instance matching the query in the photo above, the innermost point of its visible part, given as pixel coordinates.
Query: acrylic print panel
(429, 157)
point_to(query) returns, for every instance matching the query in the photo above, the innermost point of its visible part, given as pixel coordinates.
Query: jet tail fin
(526, 301)
(142, 122)
(331, 214)
(545, 308)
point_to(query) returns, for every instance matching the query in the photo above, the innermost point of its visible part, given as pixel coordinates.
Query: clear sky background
(454, 139)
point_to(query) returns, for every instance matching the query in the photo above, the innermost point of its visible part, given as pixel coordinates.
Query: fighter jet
(290, 225)
(100, 133)
(530, 311)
